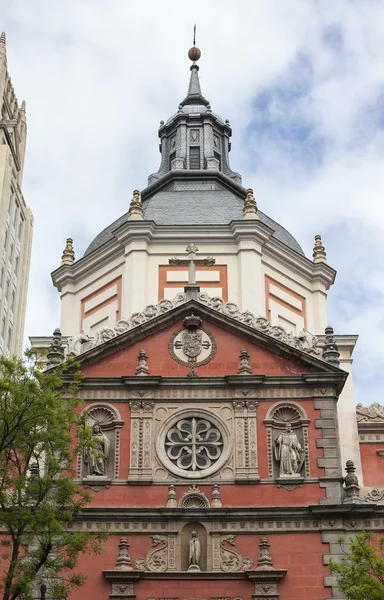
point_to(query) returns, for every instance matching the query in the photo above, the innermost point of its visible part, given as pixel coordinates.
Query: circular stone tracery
(193, 444)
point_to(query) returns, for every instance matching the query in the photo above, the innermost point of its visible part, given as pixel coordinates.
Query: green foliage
(38, 497)
(360, 572)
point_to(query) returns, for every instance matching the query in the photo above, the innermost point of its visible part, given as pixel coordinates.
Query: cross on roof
(192, 288)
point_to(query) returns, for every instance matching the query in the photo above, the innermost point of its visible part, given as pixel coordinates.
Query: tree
(360, 572)
(38, 497)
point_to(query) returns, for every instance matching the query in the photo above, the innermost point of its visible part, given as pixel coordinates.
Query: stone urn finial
(250, 206)
(244, 366)
(319, 254)
(135, 212)
(142, 366)
(68, 257)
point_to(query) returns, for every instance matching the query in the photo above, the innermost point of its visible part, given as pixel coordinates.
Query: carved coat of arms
(192, 345)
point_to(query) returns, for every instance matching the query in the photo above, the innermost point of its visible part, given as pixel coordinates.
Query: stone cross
(191, 289)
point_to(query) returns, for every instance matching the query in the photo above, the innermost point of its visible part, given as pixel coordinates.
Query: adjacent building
(16, 220)
(230, 455)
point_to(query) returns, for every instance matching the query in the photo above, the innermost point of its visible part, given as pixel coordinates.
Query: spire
(194, 95)
(3, 47)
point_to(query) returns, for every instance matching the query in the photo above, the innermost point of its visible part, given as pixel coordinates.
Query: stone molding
(245, 442)
(305, 341)
(221, 526)
(141, 441)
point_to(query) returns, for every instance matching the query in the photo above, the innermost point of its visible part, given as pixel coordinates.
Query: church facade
(230, 454)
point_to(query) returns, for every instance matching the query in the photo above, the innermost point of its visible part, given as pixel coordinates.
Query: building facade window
(11, 194)
(9, 337)
(3, 321)
(194, 157)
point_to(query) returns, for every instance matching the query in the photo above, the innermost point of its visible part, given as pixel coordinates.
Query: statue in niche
(96, 458)
(289, 453)
(194, 552)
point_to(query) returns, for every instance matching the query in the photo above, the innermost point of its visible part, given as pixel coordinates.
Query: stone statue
(194, 552)
(289, 453)
(96, 458)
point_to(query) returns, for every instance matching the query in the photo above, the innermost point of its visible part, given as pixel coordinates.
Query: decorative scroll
(375, 495)
(230, 559)
(305, 341)
(370, 414)
(156, 559)
(82, 342)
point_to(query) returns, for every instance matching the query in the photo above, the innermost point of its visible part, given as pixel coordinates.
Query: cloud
(302, 83)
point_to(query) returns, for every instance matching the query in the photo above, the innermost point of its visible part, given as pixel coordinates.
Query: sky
(302, 83)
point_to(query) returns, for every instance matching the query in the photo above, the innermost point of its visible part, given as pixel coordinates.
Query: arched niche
(184, 538)
(108, 418)
(285, 419)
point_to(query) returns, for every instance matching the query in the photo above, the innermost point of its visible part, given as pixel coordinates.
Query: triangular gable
(268, 355)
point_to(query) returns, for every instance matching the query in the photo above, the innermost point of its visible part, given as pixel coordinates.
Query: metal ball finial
(194, 53)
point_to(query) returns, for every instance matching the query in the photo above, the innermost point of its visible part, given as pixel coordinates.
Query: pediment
(161, 331)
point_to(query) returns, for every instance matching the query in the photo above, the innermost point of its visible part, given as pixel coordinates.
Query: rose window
(193, 445)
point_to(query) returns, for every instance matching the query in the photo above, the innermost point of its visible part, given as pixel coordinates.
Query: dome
(194, 208)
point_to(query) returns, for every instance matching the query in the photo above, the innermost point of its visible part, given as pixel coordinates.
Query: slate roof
(194, 208)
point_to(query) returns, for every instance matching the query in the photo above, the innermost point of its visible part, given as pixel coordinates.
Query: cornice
(186, 174)
(85, 266)
(261, 513)
(233, 233)
(299, 264)
(234, 326)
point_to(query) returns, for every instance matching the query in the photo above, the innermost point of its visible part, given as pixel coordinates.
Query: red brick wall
(372, 464)
(300, 553)
(231, 495)
(225, 361)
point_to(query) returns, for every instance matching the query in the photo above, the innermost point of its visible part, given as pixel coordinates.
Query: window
(194, 157)
(17, 263)
(3, 325)
(171, 158)
(15, 214)
(10, 200)
(218, 157)
(20, 227)
(13, 298)
(9, 337)
(7, 287)
(11, 251)
(2, 273)
(6, 237)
